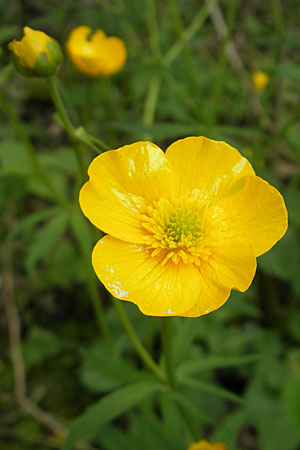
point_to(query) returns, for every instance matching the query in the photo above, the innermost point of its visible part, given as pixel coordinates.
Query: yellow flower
(37, 54)
(204, 445)
(184, 227)
(259, 81)
(96, 54)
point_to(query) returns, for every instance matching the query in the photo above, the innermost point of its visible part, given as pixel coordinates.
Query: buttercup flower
(96, 54)
(184, 227)
(259, 81)
(204, 445)
(37, 54)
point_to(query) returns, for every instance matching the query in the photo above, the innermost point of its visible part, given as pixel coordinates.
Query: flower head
(204, 445)
(96, 54)
(259, 81)
(184, 227)
(37, 54)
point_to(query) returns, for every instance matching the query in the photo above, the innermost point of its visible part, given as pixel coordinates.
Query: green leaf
(8, 32)
(113, 438)
(102, 371)
(82, 231)
(106, 409)
(26, 225)
(13, 158)
(210, 388)
(182, 400)
(46, 240)
(40, 345)
(283, 261)
(291, 397)
(213, 362)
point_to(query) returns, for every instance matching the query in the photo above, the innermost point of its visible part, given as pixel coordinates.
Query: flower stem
(150, 103)
(141, 350)
(52, 85)
(222, 64)
(166, 334)
(32, 156)
(189, 32)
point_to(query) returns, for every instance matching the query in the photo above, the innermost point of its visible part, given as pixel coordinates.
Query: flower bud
(37, 54)
(96, 54)
(259, 81)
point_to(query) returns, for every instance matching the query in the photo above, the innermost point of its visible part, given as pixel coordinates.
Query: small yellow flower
(184, 227)
(204, 445)
(96, 54)
(259, 81)
(37, 54)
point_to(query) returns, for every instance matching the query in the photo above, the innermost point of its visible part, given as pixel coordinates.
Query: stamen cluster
(174, 230)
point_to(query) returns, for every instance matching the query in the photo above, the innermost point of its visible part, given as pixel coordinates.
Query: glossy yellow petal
(114, 55)
(234, 264)
(211, 295)
(253, 212)
(121, 183)
(205, 445)
(90, 54)
(96, 54)
(78, 45)
(129, 272)
(206, 167)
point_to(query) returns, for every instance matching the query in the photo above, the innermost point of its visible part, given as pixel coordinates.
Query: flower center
(174, 230)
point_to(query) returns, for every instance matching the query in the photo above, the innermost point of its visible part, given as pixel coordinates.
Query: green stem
(190, 64)
(151, 102)
(219, 82)
(166, 334)
(52, 85)
(141, 350)
(91, 141)
(153, 29)
(32, 156)
(189, 32)
(155, 82)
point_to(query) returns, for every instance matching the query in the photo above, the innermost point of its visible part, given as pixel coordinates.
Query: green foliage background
(238, 368)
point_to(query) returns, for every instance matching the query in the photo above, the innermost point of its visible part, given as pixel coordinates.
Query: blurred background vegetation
(189, 72)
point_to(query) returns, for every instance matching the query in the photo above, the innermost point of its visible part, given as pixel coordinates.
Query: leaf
(7, 32)
(102, 371)
(229, 429)
(26, 225)
(113, 438)
(210, 388)
(46, 240)
(12, 189)
(62, 159)
(39, 345)
(13, 158)
(106, 409)
(183, 401)
(82, 231)
(291, 396)
(284, 259)
(213, 362)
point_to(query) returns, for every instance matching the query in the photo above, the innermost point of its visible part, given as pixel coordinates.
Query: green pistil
(181, 223)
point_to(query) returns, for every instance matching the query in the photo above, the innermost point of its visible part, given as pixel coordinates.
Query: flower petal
(207, 166)
(211, 296)
(113, 55)
(253, 212)
(130, 273)
(121, 181)
(234, 264)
